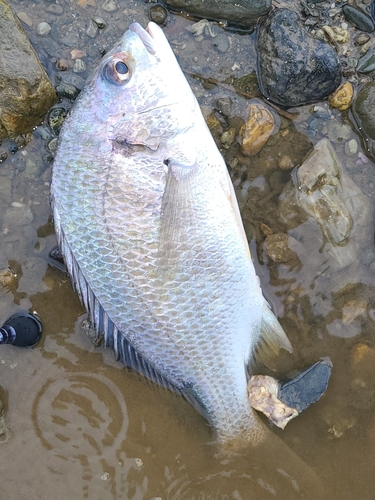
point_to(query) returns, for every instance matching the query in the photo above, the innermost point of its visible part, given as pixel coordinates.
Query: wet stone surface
(286, 79)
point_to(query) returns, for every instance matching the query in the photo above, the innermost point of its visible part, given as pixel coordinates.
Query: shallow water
(80, 425)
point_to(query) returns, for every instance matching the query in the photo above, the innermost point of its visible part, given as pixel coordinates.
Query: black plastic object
(307, 387)
(21, 329)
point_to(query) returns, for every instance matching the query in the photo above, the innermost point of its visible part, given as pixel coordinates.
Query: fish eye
(116, 71)
(121, 68)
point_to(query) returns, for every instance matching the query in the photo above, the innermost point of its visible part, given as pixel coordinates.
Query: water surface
(80, 425)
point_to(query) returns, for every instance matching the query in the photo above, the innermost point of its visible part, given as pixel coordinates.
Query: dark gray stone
(293, 67)
(307, 387)
(240, 12)
(363, 112)
(359, 18)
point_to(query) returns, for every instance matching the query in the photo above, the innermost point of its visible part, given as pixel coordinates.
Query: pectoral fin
(272, 338)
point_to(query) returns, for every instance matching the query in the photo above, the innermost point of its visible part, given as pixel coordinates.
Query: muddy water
(80, 425)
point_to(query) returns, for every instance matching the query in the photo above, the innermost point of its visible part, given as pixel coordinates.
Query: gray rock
(43, 29)
(351, 147)
(359, 18)
(6, 189)
(25, 18)
(109, 6)
(79, 66)
(224, 105)
(67, 90)
(158, 14)
(33, 171)
(55, 9)
(338, 132)
(18, 216)
(56, 119)
(99, 22)
(221, 42)
(26, 93)
(363, 112)
(293, 67)
(241, 12)
(321, 190)
(92, 29)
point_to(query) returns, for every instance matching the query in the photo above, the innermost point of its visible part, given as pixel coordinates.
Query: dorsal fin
(272, 338)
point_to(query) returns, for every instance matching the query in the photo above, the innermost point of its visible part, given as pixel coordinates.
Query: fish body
(148, 223)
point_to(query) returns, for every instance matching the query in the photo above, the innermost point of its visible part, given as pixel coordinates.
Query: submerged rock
(342, 97)
(239, 12)
(278, 248)
(363, 112)
(359, 18)
(320, 189)
(293, 67)
(257, 129)
(26, 94)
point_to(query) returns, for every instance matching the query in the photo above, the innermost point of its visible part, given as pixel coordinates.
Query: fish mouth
(145, 36)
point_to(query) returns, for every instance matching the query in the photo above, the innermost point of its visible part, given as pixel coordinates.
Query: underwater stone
(307, 387)
(359, 18)
(258, 128)
(158, 14)
(56, 119)
(363, 112)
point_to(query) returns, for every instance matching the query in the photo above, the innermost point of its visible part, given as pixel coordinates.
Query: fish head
(138, 91)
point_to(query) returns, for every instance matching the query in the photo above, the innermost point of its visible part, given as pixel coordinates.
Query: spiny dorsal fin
(272, 338)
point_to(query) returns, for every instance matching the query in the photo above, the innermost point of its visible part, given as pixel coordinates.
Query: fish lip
(145, 37)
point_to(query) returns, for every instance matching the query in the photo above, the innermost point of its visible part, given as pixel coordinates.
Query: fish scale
(147, 220)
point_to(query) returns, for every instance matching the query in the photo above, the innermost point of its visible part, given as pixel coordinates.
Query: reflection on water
(80, 425)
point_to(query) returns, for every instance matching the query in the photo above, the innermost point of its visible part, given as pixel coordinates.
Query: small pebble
(79, 66)
(67, 90)
(224, 105)
(77, 54)
(228, 137)
(43, 29)
(55, 9)
(92, 29)
(361, 39)
(62, 65)
(55, 119)
(52, 146)
(99, 22)
(109, 6)
(158, 14)
(286, 163)
(338, 132)
(351, 147)
(221, 43)
(342, 97)
(13, 148)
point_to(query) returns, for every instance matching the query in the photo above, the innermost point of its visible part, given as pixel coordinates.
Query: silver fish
(148, 223)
